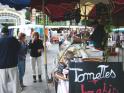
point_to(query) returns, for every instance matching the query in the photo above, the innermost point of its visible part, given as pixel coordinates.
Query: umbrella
(119, 1)
(118, 14)
(17, 4)
(55, 9)
(58, 13)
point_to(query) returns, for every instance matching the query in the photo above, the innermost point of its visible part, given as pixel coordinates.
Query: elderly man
(9, 79)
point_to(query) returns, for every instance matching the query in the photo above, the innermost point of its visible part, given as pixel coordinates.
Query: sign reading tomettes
(90, 77)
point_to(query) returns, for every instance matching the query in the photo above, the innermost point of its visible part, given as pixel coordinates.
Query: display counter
(75, 53)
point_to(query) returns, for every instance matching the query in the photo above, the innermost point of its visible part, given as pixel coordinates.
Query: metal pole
(122, 53)
(45, 53)
(85, 13)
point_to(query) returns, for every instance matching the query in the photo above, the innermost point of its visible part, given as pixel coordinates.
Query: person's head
(5, 30)
(21, 36)
(36, 35)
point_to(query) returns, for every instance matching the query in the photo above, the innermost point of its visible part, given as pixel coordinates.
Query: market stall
(79, 67)
(75, 53)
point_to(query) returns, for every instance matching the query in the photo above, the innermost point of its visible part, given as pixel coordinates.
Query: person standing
(36, 46)
(22, 57)
(9, 78)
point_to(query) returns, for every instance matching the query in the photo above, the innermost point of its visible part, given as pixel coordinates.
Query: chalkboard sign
(99, 77)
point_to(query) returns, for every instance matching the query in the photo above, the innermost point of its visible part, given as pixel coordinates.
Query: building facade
(11, 16)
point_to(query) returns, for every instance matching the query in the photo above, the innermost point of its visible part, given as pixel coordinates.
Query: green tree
(28, 14)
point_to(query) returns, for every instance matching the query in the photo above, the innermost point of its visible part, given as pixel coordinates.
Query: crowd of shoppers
(13, 57)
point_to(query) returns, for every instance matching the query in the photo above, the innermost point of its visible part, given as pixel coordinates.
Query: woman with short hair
(36, 46)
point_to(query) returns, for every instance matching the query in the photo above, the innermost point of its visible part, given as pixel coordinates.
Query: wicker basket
(77, 40)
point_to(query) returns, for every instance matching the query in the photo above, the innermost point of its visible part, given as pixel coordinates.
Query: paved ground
(41, 87)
